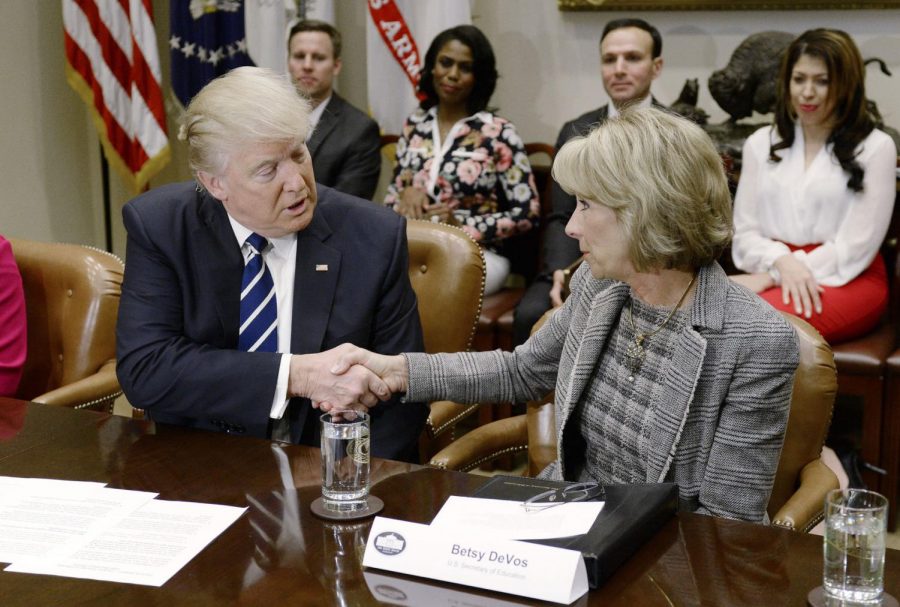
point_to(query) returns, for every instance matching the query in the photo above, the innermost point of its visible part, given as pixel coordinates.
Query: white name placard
(521, 568)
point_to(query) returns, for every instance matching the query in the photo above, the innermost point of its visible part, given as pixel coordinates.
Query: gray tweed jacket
(719, 426)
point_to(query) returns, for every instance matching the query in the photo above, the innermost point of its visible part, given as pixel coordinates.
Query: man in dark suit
(239, 287)
(344, 142)
(630, 60)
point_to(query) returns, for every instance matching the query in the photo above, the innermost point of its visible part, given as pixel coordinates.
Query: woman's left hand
(798, 285)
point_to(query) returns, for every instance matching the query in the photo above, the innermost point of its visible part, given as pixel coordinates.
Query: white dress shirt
(280, 257)
(788, 202)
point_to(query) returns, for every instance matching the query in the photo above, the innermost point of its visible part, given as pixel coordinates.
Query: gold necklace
(635, 353)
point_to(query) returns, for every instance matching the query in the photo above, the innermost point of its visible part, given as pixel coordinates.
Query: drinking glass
(855, 526)
(345, 461)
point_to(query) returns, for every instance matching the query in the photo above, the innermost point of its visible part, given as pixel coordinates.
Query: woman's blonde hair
(245, 105)
(662, 177)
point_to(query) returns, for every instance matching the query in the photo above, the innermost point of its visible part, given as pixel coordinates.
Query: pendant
(634, 355)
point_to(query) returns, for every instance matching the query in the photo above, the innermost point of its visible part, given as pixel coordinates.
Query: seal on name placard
(389, 543)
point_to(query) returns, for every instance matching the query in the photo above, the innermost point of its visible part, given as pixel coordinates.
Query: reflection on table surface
(279, 553)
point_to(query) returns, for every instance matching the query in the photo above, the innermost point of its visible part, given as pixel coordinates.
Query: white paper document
(147, 546)
(39, 516)
(508, 519)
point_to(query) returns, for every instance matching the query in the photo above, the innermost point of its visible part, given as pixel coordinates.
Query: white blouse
(785, 202)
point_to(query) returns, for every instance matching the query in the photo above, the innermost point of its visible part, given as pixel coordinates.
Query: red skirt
(849, 311)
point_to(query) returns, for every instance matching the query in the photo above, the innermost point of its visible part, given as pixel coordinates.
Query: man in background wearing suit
(630, 60)
(239, 286)
(344, 142)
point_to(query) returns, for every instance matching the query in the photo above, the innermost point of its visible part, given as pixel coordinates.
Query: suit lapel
(315, 282)
(668, 418)
(605, 307)
(604, 312)
(327, 122)
(219, 255)
(683, 373)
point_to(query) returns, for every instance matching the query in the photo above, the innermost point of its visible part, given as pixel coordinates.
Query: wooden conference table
(694, 560)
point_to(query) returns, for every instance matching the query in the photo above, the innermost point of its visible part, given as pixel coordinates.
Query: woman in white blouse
(816, 193)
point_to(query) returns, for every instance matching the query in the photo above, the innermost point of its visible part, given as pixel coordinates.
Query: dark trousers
(534, 303)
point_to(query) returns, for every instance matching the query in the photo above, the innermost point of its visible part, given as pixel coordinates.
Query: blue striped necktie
(259, 308)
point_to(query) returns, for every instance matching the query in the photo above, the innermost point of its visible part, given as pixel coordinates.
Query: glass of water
(345, 461)
(855, 526)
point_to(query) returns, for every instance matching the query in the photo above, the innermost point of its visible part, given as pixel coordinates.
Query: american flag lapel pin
(321, 267)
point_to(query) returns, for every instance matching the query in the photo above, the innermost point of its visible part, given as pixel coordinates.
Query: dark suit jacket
(177, 331)
(346, 149)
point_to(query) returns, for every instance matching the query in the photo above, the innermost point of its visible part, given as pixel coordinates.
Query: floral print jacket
(482, 173)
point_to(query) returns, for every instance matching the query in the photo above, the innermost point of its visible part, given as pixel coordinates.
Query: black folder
(631, 516)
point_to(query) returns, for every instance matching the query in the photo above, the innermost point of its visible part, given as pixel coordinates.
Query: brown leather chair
(446, 268)
(802, 479)
(72, 301)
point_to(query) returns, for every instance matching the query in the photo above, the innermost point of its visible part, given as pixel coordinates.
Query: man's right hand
(412, 203)
(357, 388)
(391, 369)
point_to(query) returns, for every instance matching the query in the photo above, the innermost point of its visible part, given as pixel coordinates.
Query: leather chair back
(812, 401)
(446, 269)
(72, 301)
(815, 386)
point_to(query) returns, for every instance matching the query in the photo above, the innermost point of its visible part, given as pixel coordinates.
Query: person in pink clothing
(12, 321)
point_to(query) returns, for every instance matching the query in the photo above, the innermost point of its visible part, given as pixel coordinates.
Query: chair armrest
(502, 437)
(97, 391)
(445, 415)
(806, 507)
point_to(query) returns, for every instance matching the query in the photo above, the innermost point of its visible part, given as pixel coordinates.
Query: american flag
(113, 63)
(210, 37)
(207, 38)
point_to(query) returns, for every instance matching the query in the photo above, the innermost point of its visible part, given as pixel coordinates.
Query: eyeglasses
(579, 492)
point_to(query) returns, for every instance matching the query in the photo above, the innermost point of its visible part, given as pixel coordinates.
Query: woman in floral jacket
(459, 163)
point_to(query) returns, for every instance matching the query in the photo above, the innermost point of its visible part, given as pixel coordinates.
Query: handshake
(346, 377)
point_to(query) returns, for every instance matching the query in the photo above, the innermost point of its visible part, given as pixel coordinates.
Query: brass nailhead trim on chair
(494, 455)
(450, 424)
(111, 399)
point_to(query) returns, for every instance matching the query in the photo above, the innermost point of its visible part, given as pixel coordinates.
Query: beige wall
(49, 152)
(549, 59)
